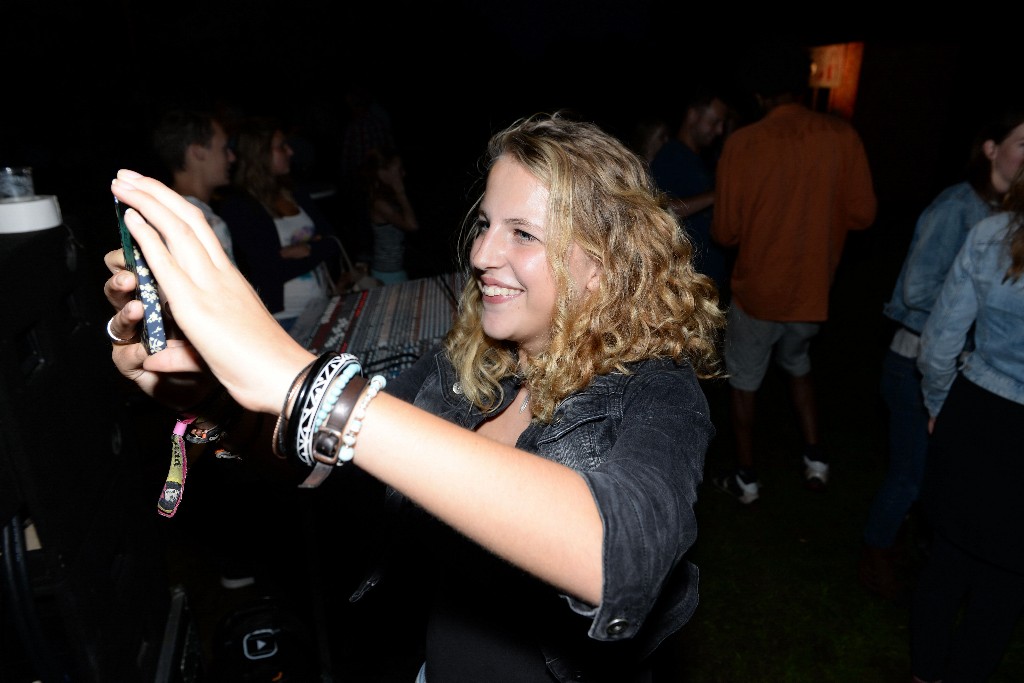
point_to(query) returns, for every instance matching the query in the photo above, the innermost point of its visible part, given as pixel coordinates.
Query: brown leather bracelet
(327, 442)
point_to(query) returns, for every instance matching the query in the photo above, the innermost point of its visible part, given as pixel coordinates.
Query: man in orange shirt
(789, 188)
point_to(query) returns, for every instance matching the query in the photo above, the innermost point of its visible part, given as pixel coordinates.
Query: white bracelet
(355, 423)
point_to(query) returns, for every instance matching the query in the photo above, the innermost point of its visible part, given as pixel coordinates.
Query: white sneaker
(815, 474)
(737, 488)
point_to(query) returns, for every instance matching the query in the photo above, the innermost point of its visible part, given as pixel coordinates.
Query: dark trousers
(955, 647)
(908, 447)
(970, 593)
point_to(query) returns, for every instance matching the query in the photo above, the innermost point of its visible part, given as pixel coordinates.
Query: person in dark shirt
(682, 170)
(283, 242)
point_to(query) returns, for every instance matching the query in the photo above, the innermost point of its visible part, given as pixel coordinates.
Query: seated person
(283, 242)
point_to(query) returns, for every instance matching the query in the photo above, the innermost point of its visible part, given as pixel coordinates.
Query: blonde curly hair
(651, 303)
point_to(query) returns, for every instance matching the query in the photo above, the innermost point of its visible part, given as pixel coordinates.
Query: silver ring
(117, 341)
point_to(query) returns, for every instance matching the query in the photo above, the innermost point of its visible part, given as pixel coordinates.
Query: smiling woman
(582, 304)
(510, 241)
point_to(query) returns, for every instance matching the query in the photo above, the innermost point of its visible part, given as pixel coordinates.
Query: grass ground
(780, 599)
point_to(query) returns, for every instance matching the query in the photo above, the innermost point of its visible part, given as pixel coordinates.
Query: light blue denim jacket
(639, 441)
(974, 293)
(938, 235)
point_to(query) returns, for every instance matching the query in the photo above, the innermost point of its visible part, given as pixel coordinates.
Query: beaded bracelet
(355, 423)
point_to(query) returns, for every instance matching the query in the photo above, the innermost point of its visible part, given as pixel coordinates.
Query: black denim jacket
(639, 441)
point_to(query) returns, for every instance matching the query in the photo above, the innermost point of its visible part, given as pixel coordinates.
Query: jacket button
(616, 626)
(457, 388)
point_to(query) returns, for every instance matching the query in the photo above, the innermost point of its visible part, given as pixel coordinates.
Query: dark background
(85, 81)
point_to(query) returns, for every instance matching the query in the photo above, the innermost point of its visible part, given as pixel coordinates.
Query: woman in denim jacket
(552, 447)
(971, 591)
(997, 153)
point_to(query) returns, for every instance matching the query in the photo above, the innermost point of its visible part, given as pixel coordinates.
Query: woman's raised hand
(211, 301)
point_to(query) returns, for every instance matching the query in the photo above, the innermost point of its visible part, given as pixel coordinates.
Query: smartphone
(156, 323)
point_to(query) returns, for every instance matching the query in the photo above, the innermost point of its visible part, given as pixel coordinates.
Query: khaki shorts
(751, 343)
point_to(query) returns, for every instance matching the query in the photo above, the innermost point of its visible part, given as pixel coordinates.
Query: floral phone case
(154, 331)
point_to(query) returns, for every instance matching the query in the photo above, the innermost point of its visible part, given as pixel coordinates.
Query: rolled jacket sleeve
(645, 491)
(638, 439)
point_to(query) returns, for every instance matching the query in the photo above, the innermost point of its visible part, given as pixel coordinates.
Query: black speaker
(86, 597)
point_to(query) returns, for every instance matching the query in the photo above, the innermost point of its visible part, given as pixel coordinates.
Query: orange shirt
(788, 189)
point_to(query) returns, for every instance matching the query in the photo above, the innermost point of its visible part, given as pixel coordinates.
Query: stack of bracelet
(327, 405)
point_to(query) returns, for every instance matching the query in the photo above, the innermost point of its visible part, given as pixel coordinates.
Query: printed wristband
(174, 486)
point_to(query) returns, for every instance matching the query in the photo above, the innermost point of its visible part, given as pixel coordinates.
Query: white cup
(16, 183)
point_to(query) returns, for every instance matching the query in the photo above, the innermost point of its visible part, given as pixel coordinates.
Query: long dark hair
(374, 189)
(254, 154)
(979, 168)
